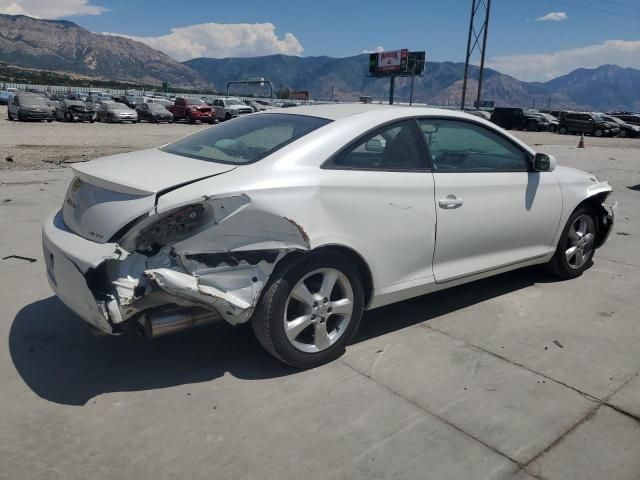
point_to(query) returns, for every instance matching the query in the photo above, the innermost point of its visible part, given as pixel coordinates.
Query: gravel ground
(41, 145)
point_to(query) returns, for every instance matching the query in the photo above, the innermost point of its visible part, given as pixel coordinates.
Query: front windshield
(194, 101)
(597, 118)
(33, 101)
(614, 119)
(116, 107)
(74, 103)
(246, 139)
(233, 102)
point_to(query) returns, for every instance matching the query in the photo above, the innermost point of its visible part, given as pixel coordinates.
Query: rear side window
(246, 139)
(394, 147)
(465, 146)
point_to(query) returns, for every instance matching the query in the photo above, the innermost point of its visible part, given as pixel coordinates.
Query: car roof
(344, 110)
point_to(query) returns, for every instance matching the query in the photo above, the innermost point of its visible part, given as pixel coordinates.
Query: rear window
(246, 139)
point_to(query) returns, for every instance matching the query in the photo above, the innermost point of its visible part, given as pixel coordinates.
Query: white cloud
(220, 40)
(545, 66)
(553, 17)
(378, 49)
(50, 8)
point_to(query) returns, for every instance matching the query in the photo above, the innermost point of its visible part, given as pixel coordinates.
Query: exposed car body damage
(221, 264)
(165, 239)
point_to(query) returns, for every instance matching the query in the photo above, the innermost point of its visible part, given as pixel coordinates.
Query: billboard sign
(393, 61)
(300, 95)
(396, 62)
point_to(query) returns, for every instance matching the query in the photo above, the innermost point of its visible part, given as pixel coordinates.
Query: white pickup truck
(228, 108)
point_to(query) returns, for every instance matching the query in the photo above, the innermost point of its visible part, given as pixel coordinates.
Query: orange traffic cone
(581, 144)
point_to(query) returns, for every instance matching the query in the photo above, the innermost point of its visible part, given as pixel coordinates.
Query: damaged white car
(300, 220)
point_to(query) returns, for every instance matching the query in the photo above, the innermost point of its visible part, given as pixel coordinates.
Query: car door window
(394, 147)
(468, 147)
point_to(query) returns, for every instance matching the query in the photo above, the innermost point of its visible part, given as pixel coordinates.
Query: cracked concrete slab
(505, 406)
(522, 316)
(328, 423)
(605, 446)
(628, 397)
(75, 405)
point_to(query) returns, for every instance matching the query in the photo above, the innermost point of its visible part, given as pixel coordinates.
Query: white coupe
(300, 220)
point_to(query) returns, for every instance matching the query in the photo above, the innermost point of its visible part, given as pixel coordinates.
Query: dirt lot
(519, 376)
(37, 145)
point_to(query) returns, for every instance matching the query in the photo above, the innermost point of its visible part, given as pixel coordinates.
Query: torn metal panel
(216, 254)
(230, 305)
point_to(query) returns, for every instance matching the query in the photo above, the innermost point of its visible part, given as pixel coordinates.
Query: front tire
(563, 130)
(576, 246)
(599, 132)
(310, 309)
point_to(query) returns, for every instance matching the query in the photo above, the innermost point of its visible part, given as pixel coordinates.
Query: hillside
(347, 77)
(64, 46)
(608, 87)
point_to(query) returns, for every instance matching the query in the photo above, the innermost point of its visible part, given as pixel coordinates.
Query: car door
(492, 209)
(383, 184)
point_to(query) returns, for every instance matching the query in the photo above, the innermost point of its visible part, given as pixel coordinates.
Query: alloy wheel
(318, 310)
(580, 241)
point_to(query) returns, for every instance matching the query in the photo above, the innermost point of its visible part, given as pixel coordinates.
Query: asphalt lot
(517, 376)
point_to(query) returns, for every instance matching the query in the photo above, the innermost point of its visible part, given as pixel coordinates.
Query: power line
(621, 4)
(594, 9)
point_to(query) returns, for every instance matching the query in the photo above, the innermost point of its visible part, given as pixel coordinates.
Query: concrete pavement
(518, 376)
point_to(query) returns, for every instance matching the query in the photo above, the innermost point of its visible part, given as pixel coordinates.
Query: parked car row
(102, 107)
(615, 124)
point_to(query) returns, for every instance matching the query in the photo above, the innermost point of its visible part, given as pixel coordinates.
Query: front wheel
(599, 132)
(576, 245)
(622, 134)
(563, 130)
(310, 310)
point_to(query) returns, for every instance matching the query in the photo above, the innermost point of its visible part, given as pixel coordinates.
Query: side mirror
(544, 163)
(374, 145)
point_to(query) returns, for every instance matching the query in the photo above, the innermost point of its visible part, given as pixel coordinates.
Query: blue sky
(577, 33)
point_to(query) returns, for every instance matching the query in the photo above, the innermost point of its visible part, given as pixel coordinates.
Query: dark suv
(632, 118)
(587, 123)
(508, 118)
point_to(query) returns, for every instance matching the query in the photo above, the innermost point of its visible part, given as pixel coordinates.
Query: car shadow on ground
(61, 360)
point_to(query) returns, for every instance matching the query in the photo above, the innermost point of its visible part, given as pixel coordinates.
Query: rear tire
(576, 246)
(532, 126)
(622, 134)
(279, 307)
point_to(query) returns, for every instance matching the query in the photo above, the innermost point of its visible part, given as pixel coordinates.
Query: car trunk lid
(108, 193)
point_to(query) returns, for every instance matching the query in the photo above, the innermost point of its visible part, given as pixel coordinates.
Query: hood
(575, 176)
(108, 193)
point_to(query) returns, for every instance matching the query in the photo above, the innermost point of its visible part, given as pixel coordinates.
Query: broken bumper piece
(107, 286)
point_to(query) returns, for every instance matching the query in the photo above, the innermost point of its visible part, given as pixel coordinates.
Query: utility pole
(392, 84)
(473, 43)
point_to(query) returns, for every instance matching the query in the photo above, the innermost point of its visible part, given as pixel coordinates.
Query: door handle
(450, 202)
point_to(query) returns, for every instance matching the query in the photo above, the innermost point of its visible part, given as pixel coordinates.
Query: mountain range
(64, 46)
